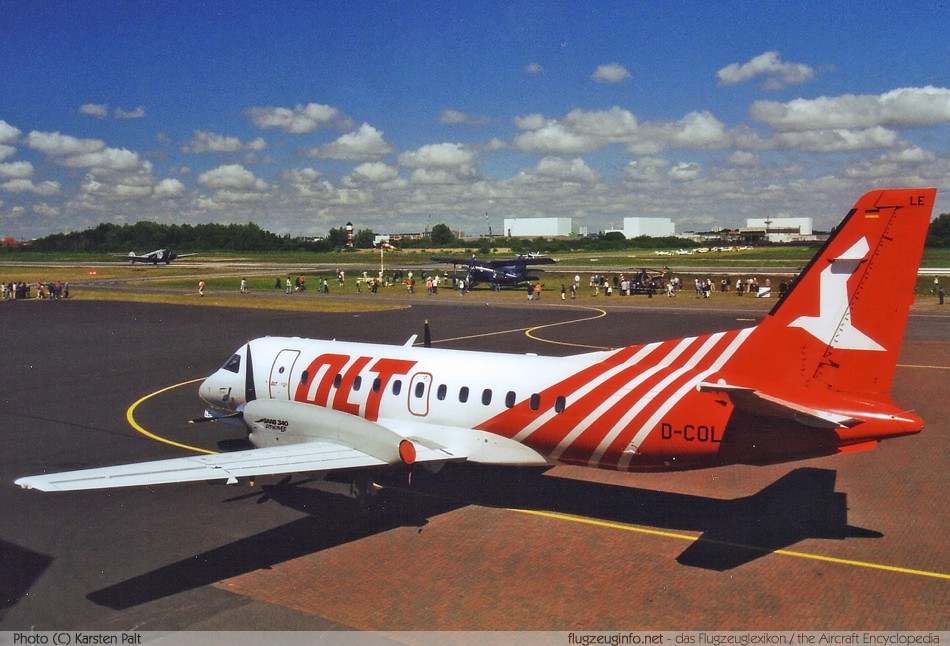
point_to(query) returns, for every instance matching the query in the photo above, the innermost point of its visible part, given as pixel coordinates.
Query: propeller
(426, 336)
(211, 416)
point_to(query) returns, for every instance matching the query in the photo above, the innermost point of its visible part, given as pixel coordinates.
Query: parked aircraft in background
(812, 379)
(155, 257)
(500, 272)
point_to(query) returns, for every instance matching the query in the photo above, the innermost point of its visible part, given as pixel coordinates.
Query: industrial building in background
(537, 227)
(778, 230)
(650, 227)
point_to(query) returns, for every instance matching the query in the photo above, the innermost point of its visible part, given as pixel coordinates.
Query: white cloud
(556, 138)
(309, 182)
(299, 120)
(453, 117)
(582, 132)
(837, 140)
(743, 158)
(8, 134)
(232, 177)
(611, 73)
(685, 171)
(614, 125)
(6, 151)
(169, 188)
(695, 131)
(27, 186)
(901, 108)
(777, 73)
(97, 110)
(375, 172)
(444, 163)
(45, 210)
(366, 143)
(533, 68)
(203, 141)
(137, 113)
(443, 156)
(17, 170)
(56, 144)
(116, 159)
(575, 170)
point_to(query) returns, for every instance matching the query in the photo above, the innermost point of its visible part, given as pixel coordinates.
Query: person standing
(201, 287)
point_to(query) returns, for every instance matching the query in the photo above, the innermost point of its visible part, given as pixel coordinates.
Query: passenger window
(535, 402)
(441, 392)
(486, 396)
(463, 394)
(337, 381)
(377, 384)
(420, 389)
(357, 382)
(510, 399)
(560, 404)
(397, 386)
(304, 377)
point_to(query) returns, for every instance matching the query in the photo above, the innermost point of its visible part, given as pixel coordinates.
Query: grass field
(93, 278)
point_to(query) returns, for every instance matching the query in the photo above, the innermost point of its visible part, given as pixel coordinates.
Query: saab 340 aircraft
(812, 379)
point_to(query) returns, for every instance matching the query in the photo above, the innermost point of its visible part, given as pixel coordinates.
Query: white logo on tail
(833, 324)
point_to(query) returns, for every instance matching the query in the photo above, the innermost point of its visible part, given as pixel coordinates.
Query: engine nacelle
(277, 422)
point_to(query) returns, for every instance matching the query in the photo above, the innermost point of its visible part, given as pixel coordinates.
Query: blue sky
(300, 116)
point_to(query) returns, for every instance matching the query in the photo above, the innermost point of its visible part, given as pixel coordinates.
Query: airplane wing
(521, 260)
(318, 455)
(756, 402)
(454, 261)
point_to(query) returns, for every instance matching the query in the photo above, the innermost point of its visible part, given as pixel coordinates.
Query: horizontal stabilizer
(756, 402)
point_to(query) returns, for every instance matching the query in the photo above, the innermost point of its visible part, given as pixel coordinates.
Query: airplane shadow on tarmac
(20, 568)
(802, 504)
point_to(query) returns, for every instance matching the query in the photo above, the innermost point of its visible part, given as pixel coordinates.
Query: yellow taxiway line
(130, 417)
(687, 537)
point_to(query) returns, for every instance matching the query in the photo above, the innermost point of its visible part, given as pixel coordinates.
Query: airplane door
(279, 383)
(419, 387)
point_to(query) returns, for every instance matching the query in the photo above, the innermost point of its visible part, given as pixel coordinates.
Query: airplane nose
(216, 392)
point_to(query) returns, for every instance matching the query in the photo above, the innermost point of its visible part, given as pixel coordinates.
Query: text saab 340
(812, 379)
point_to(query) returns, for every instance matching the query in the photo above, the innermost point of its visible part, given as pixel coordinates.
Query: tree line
(147, 236)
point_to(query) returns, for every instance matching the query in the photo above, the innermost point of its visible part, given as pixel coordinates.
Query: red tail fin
(842, 324)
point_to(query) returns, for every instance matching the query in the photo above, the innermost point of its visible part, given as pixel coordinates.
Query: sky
(398, 115)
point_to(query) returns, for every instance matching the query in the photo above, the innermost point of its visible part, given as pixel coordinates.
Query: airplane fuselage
(638, 408)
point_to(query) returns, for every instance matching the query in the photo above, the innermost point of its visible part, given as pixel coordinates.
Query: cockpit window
(233, 364)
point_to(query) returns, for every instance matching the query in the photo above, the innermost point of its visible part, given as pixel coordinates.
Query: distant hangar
(554, 227)
(535, 227)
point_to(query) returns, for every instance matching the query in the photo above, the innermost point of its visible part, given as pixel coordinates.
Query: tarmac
(851, 542)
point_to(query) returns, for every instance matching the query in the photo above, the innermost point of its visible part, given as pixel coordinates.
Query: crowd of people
(18, 290)
(644, 282)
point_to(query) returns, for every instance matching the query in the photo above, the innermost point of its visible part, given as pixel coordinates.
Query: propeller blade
(426, 336)
(210, 416)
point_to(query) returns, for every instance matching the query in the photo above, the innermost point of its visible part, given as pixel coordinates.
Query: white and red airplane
(812, 379)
